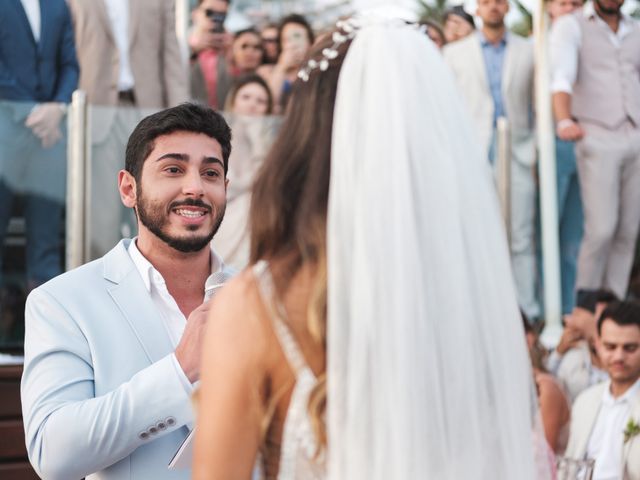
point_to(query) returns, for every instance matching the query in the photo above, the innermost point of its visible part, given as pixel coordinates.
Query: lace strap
(278, 316)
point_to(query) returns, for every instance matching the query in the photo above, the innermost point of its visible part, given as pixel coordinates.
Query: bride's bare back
(247, 381)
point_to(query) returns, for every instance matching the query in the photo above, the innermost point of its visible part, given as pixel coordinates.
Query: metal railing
(503, 171)
(78, 154)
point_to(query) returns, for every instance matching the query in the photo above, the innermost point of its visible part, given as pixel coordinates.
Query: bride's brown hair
(289, 205)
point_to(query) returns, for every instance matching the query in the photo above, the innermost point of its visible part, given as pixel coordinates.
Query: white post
(183, 14)
(77, 154)
(503, 172)
(548, 185)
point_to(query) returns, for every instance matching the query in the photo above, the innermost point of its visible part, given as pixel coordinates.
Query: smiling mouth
(189, 213)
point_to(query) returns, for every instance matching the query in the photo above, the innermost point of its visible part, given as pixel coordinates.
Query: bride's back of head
(289, 203)
(290, 194)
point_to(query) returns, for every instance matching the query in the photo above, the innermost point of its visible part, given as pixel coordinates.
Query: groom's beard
(155, 217)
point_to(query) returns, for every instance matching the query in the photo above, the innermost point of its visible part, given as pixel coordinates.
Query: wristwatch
(564, 123)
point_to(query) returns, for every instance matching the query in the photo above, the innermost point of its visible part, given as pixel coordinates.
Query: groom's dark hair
(188, 117)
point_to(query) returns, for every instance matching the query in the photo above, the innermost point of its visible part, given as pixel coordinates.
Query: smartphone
(217, 18)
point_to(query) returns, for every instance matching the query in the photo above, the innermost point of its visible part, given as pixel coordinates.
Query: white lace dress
(299, 445)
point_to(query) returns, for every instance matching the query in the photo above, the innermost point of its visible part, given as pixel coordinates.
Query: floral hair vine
(347, 30)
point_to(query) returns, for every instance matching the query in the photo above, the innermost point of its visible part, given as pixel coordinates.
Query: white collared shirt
(32, 9)
(118, 11)
(566, 40)
(607, 437)
(172, 319)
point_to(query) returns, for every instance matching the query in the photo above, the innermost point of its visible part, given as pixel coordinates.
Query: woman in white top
(377, 334)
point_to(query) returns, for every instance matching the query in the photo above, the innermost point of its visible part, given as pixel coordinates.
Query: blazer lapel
(510, 61)
(478, 63)
(635, 416)
(134, 302)
(591, 415)
(134, 19)
(45, 24)
(101, 10)
(22, 16)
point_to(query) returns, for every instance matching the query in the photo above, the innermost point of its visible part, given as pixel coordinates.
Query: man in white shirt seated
(605, 419)
(575, 361)
(112, 348)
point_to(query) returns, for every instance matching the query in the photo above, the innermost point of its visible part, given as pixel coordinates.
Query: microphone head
(214, 282)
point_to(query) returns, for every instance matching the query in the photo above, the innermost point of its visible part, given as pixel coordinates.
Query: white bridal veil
(428, 371)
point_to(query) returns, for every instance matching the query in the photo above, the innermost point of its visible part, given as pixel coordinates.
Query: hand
(583, 321)
(291, 58)
(209, 40)
(594, 352)
(202, 37)
(570, 339)
(569, 131)
(189, 350)
(44, 121)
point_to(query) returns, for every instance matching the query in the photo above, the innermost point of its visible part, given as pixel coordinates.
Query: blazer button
(161, 425)
(143, 435)
(170, 421)
(153, 430)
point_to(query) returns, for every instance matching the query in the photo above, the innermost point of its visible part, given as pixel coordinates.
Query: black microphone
(214, 282)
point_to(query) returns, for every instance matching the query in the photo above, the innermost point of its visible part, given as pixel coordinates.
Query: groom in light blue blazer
(112, 348)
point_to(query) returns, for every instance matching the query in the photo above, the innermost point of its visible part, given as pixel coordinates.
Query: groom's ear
(127, 189)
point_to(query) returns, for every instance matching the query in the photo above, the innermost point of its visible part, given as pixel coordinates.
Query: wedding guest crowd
(594, 77)
(588, 385)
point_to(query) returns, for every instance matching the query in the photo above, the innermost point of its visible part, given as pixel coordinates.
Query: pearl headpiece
(347, 30)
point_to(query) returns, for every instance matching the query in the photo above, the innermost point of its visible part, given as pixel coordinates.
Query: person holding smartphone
(208, 30)
(209, 43)
(295, 37)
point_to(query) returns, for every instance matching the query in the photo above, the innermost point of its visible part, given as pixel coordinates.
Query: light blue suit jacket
(99, 391)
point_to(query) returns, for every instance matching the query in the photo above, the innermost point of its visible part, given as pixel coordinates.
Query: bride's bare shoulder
(236, 317)
(238, 297)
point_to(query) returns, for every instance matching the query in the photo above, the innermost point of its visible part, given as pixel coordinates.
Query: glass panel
(108, 220)
(33, 170)
(574, 469)
(252, 138)
(33, 194)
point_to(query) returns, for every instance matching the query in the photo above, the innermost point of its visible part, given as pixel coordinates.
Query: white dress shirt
(32, 9)
(566, 40)
(607, 437)
(170, 316)
(118, 11)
